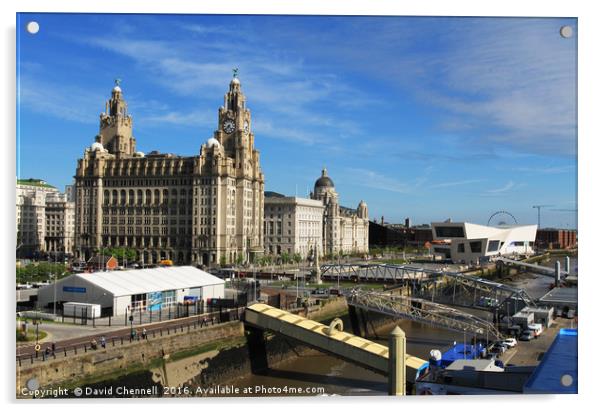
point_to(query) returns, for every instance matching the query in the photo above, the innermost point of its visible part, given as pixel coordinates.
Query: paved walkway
(119, 332)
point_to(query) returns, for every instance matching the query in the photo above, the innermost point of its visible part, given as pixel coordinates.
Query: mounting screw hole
(566, 31)
(33, 27)
(566, 380)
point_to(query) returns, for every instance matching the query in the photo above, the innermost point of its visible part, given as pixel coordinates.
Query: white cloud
(516, 77)
(502, 189)
(63, 101)
(456, 183)
(375, 180)
(546, 170)
(195, 118)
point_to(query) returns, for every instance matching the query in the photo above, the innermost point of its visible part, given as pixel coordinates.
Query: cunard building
(205, 209)
(345, 230)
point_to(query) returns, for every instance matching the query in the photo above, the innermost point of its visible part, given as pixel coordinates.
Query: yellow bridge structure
(331, 339)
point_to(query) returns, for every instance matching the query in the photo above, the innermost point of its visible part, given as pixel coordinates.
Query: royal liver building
(205, 209)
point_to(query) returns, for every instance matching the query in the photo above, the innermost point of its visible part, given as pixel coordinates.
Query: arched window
(157, 196)
(149, 197)
(131, 197)
(106, 197)
(114, 197)
(139, 197)
(122, 197)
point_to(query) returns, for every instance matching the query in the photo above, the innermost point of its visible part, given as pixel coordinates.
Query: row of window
(148, 211)
(115, 230)
(492, 246)
(150, 182)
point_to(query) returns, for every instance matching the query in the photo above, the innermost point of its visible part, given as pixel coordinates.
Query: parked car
(570, 314)
(510, 342)
(501, 345)
(526, 335)
(500, 349)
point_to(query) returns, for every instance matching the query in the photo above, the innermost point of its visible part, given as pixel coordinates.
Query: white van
(537, 328)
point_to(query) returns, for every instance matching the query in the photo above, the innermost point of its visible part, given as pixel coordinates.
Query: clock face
(228, 126)
(246, 126)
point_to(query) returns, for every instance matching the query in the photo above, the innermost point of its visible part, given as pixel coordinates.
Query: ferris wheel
(501, 222)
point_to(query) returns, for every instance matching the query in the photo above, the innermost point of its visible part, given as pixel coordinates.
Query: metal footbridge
(375, 272)
(438, 286)
(423, 311)
(329, 339)
(546, 271)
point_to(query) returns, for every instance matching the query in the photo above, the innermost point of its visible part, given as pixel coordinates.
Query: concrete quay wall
(76, 368)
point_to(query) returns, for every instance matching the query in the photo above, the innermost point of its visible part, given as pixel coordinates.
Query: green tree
(222, 261)
(41, 271)
(285, 257)
(297, 258)
(120, 253)
(240, 259)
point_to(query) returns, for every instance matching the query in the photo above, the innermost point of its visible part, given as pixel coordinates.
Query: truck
(537, 329)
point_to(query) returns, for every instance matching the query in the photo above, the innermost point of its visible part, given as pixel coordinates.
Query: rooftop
(273, 194)
(474, 365)
(34, 182)
(560, 295)
(137, 281)
(557, 371)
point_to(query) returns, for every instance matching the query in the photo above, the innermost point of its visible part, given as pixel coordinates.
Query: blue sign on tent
(154, 301)
(74, 289)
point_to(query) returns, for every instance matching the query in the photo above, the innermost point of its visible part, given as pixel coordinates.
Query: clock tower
(234, 120)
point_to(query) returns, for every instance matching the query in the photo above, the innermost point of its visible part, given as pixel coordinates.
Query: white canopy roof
(131, 282)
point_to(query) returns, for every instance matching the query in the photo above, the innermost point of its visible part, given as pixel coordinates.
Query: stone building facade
(345, 230)
(45, 219)
(60, 224)
(293, 225)
(31, 215)
(205, 209)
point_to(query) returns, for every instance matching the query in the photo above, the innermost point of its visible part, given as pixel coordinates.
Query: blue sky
(426, 118)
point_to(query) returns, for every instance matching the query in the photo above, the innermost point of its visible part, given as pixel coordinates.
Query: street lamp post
(254, 284)
(54, 300)
(131, 326)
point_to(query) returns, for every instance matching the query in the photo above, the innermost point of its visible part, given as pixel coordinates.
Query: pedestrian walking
(53, 347)
(93, 344)
(144, 333)
(103, 342)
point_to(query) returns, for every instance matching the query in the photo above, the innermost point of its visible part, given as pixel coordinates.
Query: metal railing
(436, 285)
(125, 337)
(422, 311)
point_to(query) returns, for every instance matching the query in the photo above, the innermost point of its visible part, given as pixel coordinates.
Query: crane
(538, 207)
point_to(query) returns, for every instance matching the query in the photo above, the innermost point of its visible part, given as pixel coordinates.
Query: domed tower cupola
(324, 188)
(234, 99)
(324, 180)
(362, 210)
(117, 106)
(116, 125)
